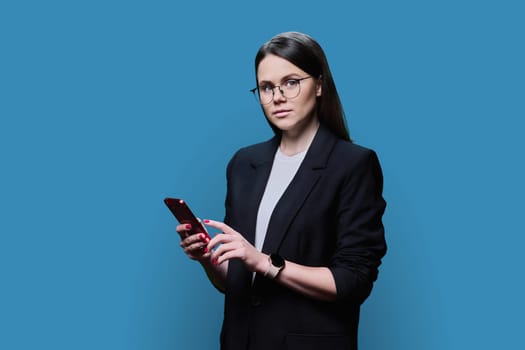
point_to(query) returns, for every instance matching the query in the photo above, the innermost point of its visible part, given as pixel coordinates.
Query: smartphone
(180, 209)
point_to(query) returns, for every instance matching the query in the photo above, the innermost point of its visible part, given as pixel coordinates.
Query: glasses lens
(291, 88)
(262, 98)
(265, 97)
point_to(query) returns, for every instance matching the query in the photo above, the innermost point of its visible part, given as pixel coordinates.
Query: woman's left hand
(234, 246)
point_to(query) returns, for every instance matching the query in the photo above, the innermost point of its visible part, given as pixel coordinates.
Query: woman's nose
(279, 94)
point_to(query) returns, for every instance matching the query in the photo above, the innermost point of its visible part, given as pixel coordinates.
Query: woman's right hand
(193, 245)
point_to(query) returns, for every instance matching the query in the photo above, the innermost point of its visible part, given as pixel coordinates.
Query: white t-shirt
(283, 170)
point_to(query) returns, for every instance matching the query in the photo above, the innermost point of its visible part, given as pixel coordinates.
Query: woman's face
(288, 114)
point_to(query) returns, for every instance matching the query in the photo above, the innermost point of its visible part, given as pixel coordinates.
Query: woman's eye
(291, 83)
(266, 88)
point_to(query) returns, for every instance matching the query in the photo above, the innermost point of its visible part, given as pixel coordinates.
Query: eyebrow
(286, 77)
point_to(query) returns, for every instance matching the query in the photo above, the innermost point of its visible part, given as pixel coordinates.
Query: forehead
(274, 68)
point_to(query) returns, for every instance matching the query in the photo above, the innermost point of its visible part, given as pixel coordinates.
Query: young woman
(303, 237)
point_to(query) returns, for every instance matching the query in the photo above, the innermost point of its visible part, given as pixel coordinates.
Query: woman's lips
(281, 113)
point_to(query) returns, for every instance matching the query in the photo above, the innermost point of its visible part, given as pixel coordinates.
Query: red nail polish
(206, 221)
(188, 226)
(201, 236)
(205, 249)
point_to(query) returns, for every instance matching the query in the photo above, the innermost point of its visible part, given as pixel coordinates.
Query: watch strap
(273, 270)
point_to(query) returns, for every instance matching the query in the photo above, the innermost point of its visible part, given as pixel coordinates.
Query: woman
(303, 237)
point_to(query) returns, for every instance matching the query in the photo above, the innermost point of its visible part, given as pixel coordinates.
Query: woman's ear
(319, 86)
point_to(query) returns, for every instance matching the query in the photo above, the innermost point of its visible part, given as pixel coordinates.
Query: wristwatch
(276, 264)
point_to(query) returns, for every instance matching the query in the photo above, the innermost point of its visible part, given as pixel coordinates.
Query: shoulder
(252, 156)
(257, 153)
(353, 154)
(353, 163)
(252, 151)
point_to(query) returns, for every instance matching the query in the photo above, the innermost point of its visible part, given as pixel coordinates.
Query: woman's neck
(296, 142)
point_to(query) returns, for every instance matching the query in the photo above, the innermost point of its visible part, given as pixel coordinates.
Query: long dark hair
(304, 52)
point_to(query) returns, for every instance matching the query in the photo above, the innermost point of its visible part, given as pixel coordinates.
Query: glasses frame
(256, 92)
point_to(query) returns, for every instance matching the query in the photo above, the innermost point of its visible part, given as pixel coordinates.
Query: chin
(283, 125)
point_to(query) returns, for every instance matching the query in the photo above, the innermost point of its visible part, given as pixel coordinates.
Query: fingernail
(188, 226)
(201, 235)
(206, 221)
(205, 249)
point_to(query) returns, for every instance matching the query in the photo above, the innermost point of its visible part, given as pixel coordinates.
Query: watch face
(277, 260)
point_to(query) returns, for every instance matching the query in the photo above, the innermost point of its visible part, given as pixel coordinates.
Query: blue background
(106, 107)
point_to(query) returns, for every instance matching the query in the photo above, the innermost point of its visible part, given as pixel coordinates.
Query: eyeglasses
(290, 88)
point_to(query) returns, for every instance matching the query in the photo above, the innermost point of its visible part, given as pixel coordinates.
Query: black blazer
(330, 215)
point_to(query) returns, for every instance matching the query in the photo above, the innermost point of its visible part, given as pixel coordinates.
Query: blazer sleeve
(360, 233)
(227, 201)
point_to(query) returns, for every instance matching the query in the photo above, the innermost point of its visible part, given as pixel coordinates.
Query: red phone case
(184, 215)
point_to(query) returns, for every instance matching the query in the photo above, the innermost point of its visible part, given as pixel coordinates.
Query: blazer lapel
(303, 182)
(261, 164)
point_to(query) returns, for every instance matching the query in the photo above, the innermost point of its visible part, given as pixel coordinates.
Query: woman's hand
(193, 245)
(232, 245)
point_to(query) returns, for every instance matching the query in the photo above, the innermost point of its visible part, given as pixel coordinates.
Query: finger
(219, 239)
(220, 226)
(204, 256)
(226, 248)
(196, 249)
(183, 227)
(183, 230)
(199, 237)
(195, 244)
(220, 250)
(232, 254)
(198, 254)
